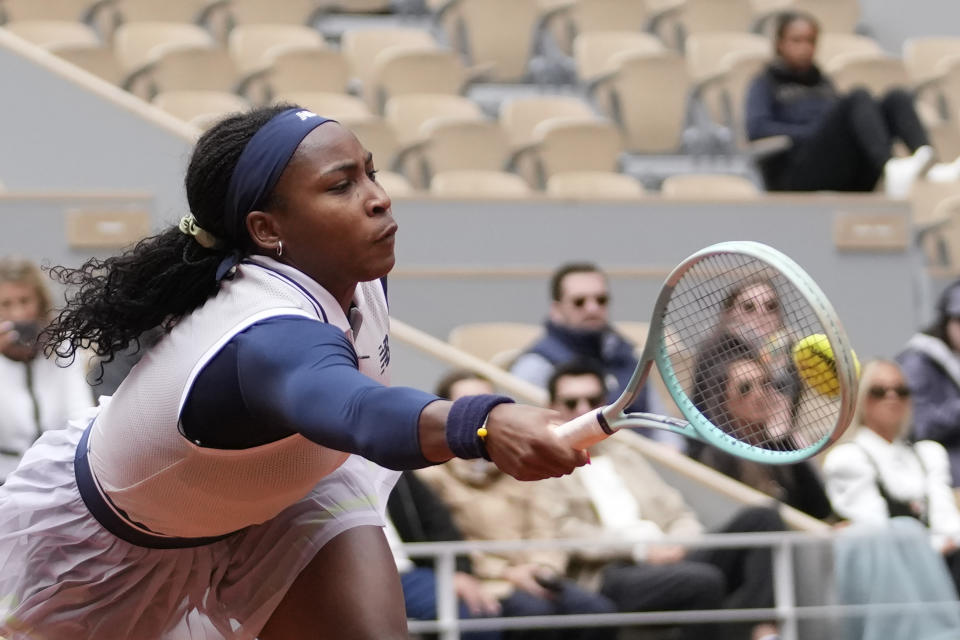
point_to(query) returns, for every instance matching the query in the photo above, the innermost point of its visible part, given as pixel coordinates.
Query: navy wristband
(466, 416)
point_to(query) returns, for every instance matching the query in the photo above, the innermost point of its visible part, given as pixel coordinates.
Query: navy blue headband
(262, 161)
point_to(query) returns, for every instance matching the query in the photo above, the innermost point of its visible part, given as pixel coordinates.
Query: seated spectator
(36, 392)
(931, 364)
(487, 504)
(578, 327)
(732, 386)
(880, 474)
(619, 496)
(417, 515)
(840, 142)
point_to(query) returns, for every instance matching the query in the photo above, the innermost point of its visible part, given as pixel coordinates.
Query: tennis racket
(752, 353)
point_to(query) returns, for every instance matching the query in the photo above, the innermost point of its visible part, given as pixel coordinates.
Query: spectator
(578, 327)
(417, 515)
(487, 504)
(932, 367)
(619, 496)
(36, 393)
(732, 388)
(840, 142)
(880, 474)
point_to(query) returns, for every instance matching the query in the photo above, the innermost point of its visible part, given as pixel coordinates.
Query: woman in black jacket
(840, 142)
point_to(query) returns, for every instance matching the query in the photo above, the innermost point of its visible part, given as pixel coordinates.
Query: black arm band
(466, 416)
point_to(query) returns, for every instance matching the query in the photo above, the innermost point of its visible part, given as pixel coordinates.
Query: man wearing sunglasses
(578, 328)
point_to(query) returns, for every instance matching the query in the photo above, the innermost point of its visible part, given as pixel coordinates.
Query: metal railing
(786, 611)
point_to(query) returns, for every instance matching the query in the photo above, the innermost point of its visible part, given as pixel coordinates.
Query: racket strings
(731, 327)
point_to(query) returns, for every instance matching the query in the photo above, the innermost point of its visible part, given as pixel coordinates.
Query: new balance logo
(384, 354)
(304, 115)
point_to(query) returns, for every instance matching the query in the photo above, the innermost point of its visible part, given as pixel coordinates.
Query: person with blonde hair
(36, 393)
(881, 474)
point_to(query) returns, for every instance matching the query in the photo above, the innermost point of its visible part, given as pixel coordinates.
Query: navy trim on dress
(290, 280)
(108, 516)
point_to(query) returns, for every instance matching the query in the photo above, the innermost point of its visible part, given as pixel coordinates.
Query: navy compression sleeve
(296, 375)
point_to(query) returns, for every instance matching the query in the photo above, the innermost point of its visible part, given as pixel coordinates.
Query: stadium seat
(459, 143)
(876, 73)
(701, 16)
(376, 136)
(933, 64)
(191, 68)
(138, 44)
(594, 51)
(71, 10)
(936, 220)
(634, 331)
(166, 11)
(593, 185)
(700, 186)
(498, 34)
(475, 183)
(362, 46)
(570, 20)
(201, 108)
(834, 16)
(273, 12)
(327, 104)
(403, 69)
(832, 45)
(487, 339)
(520, 116)
(98, 60)
(250, 43)
(297, 68)
(54, 33)
(648, 100)
(407, 113)
(574, 144)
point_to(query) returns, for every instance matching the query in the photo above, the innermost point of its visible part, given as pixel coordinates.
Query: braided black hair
(112, 302)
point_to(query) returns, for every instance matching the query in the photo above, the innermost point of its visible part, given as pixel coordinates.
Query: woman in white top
(36, 393)
(881, 474)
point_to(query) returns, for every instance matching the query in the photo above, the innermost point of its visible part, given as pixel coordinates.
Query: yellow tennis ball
(816, 365)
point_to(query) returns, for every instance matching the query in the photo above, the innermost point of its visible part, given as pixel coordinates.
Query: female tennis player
(215, 494)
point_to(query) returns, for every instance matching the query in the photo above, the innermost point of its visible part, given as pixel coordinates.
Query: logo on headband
(304, 115)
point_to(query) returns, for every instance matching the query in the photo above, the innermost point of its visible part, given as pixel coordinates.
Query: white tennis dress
(63, 575)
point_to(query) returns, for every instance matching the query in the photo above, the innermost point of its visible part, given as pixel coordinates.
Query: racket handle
(582, 432)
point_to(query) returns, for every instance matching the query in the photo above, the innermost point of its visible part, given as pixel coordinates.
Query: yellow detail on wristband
(482, 432)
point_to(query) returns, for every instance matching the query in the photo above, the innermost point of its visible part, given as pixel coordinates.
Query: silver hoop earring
(279, 248)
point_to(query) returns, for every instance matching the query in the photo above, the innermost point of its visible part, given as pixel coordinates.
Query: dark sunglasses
(746, 387)
(750, 306)
(879, 392)
(601, 300)
(572, 403)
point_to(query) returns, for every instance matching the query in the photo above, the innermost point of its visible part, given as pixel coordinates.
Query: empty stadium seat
(933, 64)
(840, 16)
(54, 33)
(475, 183)
(701, 16)
(98, 60)
(593, 185)
(648, 98)
(575, 144)
(593, 52)
(832, 45)
(249, 44)
(201, 108)
(273, 12)
(362, 46)
(495, 33)
(165, 10)
(460, 143)
(70, 10)
(138, 44)
(876, 73)
(297, 68)
(407, 113)
(486, 339)
(405, 69)
(191, 68)
(708, 187)
(395, 184)
(584, 16)
(520, 116)
(327, 104)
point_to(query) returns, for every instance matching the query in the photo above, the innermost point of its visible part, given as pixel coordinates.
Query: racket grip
(583, 432)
